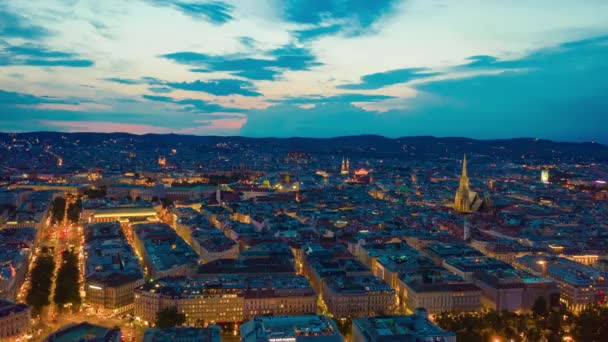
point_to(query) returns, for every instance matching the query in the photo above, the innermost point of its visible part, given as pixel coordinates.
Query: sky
(485, 69)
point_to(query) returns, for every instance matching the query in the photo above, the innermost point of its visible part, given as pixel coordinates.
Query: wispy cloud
(221, 87)
(289, 57)
(38, 55)
(217, 87)
(14, 25)
(348, 17)
(14, 99)
(383, 79)
(192, 104)
(341, 98)
(217, 12)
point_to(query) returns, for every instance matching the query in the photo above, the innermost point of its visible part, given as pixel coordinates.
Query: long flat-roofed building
(225, 299)
(164, 253)
(306, 328)
(123, 214)
(112, 270)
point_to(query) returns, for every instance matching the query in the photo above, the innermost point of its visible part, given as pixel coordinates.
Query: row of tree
(67, 290)
(540, 325)
(74, 210)
(58, 209)
(41, 277)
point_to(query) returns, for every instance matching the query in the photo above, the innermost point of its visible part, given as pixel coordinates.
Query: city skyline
(482, 70)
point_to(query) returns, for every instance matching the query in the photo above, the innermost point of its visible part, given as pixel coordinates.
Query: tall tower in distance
(462, 201)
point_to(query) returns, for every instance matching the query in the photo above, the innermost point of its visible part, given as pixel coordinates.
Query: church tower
(462, 201)
(345, 166)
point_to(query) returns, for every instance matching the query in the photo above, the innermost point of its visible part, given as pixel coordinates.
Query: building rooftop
(412, 328)
(562, 269)
(210, 334)
(84, 332)
(9, 308)
(276, 265)
(248, 286)
(302, 328)
(476, 263)
(110, 259)
(358, 284)
(164, 247)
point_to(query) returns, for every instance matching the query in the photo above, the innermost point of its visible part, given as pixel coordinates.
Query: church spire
(464, 178)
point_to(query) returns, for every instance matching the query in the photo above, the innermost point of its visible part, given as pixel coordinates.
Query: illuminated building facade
(580, 286)
(14, 319)
(226, 299)
(358, 296)
(121, 214)
(440, 294)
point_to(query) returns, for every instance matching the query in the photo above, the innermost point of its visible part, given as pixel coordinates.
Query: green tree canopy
(40, 286)
(539, 308)
(67, 283)
(169, 317)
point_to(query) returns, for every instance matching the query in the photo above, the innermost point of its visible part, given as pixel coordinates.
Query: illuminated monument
(466, 200)
(544, 176)
(345, 169)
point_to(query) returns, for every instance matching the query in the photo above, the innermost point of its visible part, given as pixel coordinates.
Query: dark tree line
(58, 209)
(74, 210)
(41, 275)
(96, 193)
(590, 325)
(67, 288)
(169, 317)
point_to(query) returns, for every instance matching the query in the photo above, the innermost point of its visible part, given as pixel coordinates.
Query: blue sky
(318, 68)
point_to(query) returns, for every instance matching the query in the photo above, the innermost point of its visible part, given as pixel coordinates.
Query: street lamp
(543, 265)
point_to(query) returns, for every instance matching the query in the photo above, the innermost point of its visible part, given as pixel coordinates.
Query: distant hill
(418, 147)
